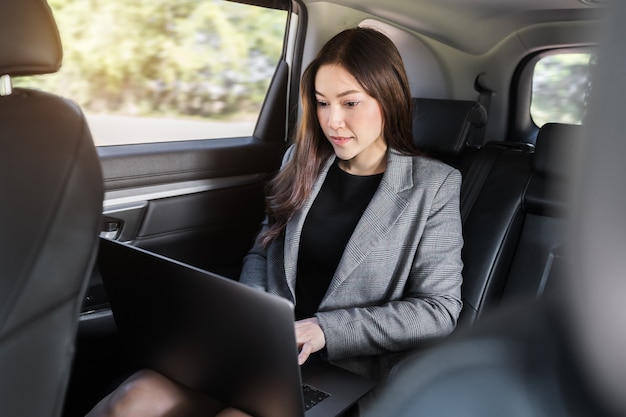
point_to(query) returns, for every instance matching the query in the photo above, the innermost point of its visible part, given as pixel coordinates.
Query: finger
(305, 352)
(302, 333)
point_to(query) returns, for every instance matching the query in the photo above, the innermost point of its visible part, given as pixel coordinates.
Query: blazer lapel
(386, 206)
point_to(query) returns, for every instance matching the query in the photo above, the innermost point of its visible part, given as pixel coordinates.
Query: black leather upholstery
(513, 253)
(514, 226)
(447, 125)
(546, 206)
(51, 187)
(495, 177)
(557, 151)
(492, 222)
(514, 200)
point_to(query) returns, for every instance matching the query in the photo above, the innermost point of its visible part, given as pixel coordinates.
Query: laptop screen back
(208, 332)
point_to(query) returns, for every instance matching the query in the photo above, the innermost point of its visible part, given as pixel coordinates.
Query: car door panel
(198, 203)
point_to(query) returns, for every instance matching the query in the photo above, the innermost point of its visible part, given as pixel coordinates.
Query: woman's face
(351, 120)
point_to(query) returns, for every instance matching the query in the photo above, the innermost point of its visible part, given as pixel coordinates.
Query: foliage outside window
(560, 88)
(155, 70)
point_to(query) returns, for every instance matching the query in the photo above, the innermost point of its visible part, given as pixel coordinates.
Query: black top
(329, 224)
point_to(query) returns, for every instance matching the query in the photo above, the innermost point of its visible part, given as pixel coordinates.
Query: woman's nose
(335, 118)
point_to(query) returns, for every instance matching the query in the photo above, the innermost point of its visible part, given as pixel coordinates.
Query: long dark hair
(374, 61)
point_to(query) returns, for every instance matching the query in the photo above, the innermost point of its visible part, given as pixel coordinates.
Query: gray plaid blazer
(399, 280)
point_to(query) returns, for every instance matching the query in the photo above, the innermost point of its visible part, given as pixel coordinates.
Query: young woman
(362, 233)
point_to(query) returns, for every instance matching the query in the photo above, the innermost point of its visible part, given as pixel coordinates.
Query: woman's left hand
(309, 337)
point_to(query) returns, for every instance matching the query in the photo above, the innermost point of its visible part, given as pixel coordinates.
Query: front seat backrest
(51, 189)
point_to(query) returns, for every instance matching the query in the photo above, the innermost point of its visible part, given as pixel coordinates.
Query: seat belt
(485, 94)
(475, 178)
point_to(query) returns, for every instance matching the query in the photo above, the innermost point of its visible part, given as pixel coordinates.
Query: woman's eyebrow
(345, 93)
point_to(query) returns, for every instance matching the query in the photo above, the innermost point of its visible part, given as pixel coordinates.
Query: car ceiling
(488, 21)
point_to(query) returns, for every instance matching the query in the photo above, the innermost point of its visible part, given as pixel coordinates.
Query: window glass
(161, 70)
(560, 88)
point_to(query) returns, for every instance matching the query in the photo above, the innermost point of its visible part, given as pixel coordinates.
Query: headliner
(489, 21)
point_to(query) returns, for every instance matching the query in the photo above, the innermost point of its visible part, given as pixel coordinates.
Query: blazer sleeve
(431, 299)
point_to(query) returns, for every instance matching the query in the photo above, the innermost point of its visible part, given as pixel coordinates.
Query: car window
(561, 85)
(156, 70)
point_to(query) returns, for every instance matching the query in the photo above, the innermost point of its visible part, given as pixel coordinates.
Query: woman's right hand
(309, 337)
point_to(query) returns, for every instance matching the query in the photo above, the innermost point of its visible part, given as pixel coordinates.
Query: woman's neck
(362, 165)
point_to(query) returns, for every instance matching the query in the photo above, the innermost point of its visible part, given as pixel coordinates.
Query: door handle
(111, 227)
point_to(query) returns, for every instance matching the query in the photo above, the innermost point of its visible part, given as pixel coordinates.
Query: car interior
(474, 68)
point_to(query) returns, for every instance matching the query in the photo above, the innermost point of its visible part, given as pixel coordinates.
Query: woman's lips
(339, 140)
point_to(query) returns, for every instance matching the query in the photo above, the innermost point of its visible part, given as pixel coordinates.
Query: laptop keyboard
(312, 396)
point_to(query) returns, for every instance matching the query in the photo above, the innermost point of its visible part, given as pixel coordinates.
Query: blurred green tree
(158, 57)
(560, 88)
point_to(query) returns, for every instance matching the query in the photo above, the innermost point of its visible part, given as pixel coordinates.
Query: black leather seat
(515, 228)
(52, 189)
(442, 126)
(495, 176)
(514, 258)
(491, 208)
(533, 355)
(546, 207)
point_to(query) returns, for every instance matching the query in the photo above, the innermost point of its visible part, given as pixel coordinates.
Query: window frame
(522, 126)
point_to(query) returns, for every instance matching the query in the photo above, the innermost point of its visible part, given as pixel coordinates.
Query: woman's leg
(150, 394)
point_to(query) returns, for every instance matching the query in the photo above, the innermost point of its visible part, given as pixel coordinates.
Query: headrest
(447, 125)
(29, 38)
(557, 148)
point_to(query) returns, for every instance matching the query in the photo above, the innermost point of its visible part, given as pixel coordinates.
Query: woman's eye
(321, 103)
(352, 103)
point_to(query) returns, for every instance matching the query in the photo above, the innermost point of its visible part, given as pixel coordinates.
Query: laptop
(235, 343)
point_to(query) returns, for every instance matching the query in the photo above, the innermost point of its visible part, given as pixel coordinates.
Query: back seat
(494, 179)
(546, 205)
(515, 242)
(448, 125)
(514, 201)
